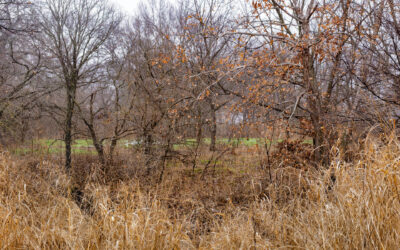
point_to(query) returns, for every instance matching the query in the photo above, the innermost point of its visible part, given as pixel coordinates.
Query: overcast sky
(128, 6)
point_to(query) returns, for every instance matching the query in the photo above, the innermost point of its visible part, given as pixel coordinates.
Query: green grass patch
(85, 146)
(308, 141)
(226, 141)
(52, 146)
(59, 143)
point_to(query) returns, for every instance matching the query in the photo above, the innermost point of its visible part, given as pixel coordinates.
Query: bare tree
(205, 25)
(106, 108)
(75, 32)
(378, 51)
(15, 16)
(21, 62)
(296, 62)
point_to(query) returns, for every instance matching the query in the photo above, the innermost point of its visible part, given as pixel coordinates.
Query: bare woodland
(168, 100)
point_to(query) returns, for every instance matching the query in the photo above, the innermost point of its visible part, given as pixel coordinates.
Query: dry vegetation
(203, 124)
(41, 207)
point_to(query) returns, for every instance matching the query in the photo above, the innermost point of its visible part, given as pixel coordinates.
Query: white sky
(130, 7)
(127, 6)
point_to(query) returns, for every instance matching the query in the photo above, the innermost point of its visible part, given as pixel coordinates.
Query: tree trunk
(213, 128)
(199, 129)
(100, 152)
(148, 142)
(97, 145)
(24, 129)
(90, 125)
(164, 161)
(317, 140)
(112, 148)
(1, 139)
(68, 125)
(314, 101)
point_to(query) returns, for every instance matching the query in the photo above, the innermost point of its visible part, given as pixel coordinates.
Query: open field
(236, 207)
(85, 146)
(53, 146)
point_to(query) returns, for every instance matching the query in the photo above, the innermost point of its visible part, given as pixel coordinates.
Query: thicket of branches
(323, 70)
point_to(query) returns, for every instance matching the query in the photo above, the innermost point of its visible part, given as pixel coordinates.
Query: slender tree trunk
(148, 142)
(112, 148)
(68, 125)
(164, 161)
(1, 139)
(97, 145)
(24, 129)
(199, 128)
(314, 102)
(320, 154)
(198, 139)
(317, 140)
(100, 152)
(90, 125)
(213, 129)
(199, 132)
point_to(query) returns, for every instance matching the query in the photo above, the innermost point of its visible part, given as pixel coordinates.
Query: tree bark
(68, 125)
(98, 145)
(112, 148)
(148, 142)
(90, 124)
(314, 101)
(213, 128)
(199, 131)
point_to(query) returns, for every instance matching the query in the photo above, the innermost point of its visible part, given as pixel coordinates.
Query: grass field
(85, 146)
(240, 206)
(52, 146)
(248, 142)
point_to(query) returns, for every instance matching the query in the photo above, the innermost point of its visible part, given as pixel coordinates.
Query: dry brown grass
(41, 208)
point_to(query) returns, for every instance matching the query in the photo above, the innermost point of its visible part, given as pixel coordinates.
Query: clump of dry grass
(39, 207)
(38, 211)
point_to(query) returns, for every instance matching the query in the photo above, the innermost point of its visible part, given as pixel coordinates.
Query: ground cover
(240, 205)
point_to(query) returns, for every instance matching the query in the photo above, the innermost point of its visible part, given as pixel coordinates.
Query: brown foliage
(296, 154)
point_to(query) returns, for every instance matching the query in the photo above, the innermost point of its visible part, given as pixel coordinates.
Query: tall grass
(296, 209)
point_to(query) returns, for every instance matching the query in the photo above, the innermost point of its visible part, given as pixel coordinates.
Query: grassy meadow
(85, 146)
